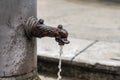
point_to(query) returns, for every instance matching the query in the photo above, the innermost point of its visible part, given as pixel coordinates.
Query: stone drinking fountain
(18, 33)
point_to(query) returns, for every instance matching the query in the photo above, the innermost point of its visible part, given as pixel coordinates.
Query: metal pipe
(37, 28)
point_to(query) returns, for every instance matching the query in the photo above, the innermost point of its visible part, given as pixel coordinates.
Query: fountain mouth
(37, 28)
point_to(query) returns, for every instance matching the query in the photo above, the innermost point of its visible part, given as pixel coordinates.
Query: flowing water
(59, 66)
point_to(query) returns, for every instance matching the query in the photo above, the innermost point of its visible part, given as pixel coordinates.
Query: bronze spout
(39, 29)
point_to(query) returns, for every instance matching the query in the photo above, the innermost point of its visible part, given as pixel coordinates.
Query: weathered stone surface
(104, 53)
(17, 52)
(74, 72)
(50, 49)
(28, 76)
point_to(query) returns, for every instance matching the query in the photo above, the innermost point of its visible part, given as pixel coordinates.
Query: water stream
(59, 66)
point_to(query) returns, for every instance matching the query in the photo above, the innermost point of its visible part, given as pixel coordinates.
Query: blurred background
(86, 19)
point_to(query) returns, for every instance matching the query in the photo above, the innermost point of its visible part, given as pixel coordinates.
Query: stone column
(18, 59)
